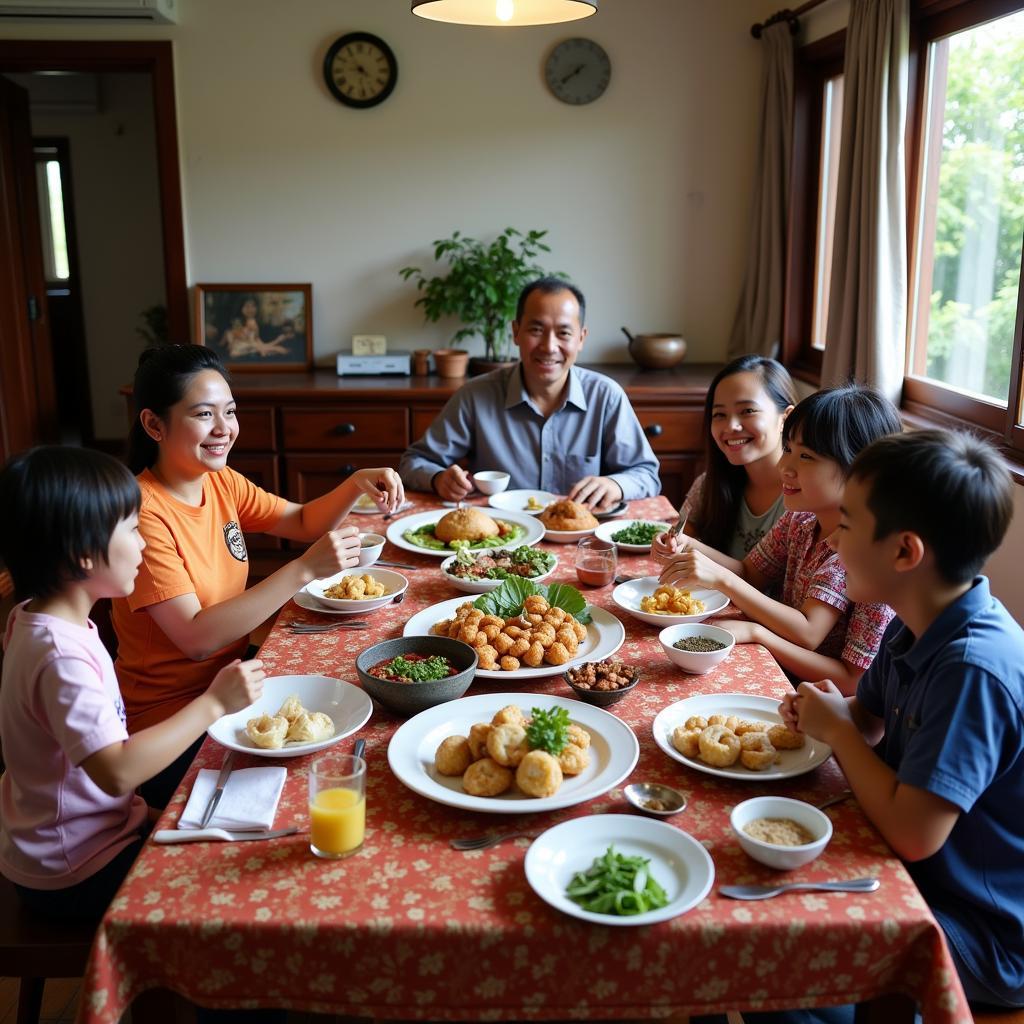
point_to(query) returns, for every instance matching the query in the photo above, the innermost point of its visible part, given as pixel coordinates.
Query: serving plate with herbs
(416, 533)
(477, 572)
(614, 751)
(633, 535)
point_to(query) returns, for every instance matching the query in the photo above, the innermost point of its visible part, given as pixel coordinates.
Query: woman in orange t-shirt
(190, 613)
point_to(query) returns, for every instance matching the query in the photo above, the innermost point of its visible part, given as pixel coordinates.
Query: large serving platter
(678, 863)
(614, 751)
(744, 705)
(605, 635)
(470, 586)
(397, 527)
(628, 596)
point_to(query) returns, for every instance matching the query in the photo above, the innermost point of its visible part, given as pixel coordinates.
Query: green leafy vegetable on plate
(507, 600)
(548, 730)
(617, 884)
(639, 533)
(537, 561)
(423, 537)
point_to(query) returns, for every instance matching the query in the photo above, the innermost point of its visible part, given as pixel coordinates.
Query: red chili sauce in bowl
(414, 668)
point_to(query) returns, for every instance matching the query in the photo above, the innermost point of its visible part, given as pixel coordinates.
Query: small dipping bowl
(782, 858)
(602, 698)
(639, 794)
(370, 547)
(491, 481)
(696, 663)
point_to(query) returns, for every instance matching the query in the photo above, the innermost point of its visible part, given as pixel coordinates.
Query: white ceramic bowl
(696, 662)
(608, 529)
(783, 858)
(468, 586)
(491, 481)
(628, 596)
(394, 583)
(370, 547)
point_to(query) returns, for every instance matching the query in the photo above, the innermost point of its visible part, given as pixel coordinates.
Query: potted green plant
(480, 287)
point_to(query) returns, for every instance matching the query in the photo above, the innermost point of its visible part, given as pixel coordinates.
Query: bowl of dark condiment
(405, 674)
(602, 682)
(696, 647)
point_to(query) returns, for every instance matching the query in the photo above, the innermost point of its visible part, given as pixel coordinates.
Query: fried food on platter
(719, 747)
(355, 588)
(486, 778)
(756, 751)
(539, 774)
(671, 601)
(453, 756)
(721, 740)
(292, 724)
(566, 515)
(468, 523)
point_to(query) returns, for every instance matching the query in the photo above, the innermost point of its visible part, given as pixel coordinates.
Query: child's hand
(237, 685)
(334, 551)
(691, 566)
(663, 547)
(787, 708)
(383, 485)
(821, 710)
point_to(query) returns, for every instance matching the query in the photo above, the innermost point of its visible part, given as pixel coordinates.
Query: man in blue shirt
(944, 698)
(551, 425)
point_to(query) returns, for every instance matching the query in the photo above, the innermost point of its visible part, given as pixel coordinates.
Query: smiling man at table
(550, 424)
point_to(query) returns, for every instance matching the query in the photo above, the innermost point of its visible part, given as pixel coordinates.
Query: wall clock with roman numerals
(360, 70)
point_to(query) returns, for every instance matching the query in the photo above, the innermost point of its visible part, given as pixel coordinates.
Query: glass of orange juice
(337, 805)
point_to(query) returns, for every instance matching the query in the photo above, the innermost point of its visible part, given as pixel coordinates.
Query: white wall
(117, 212)
(645, 192)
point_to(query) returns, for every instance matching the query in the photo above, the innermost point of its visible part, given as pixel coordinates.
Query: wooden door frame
(157, 58)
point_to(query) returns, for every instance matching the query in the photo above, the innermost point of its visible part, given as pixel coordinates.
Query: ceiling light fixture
(504, 12)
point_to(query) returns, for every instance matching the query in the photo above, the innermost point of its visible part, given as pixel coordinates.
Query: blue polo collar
(516, 393)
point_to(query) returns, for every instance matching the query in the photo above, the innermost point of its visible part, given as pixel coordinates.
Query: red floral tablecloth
(410, 929)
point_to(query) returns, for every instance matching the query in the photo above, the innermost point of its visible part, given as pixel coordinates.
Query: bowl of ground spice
(696, 647)
(780, 832)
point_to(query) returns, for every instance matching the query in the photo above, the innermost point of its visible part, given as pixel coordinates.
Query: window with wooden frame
(966, 211)
(817, 127)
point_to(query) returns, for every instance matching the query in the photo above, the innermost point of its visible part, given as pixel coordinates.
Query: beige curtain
(868, 299)
(758, 323)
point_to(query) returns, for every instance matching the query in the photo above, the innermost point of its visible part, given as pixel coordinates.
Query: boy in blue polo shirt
(944, 698)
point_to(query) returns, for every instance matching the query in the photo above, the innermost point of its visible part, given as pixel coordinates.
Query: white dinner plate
(393, 582)
(567, 536)
(372, 510)
(348, 706)
(397, 527)
(311, 604)
(744, 705)
(606, 529)
(605, 635)
(629, 594)
(615, 510)
(613, 752)
(678, 863)
(515, 501)
(468, 586)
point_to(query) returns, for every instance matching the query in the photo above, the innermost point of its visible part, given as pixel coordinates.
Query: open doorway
(104, 143)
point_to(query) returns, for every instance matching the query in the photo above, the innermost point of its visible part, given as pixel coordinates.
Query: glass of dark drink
(595, 562)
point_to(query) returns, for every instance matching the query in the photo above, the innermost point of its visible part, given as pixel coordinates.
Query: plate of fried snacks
(619, 869)
(441, 532)
(477, 572)
(566, 522)
(355, 591)
(523, 500)
(296, 715)
(532, 629)
(633, 535)
(650, 601)
(513, 753)
(736, 736)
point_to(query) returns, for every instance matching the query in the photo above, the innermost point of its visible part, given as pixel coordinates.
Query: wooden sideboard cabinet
(300, 434)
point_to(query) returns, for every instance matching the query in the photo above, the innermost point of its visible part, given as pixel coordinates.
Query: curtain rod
(785, 15)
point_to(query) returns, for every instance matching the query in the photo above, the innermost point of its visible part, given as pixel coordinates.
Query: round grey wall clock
(578, 71)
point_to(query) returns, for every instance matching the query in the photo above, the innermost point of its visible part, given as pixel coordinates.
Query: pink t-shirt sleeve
(868, 622)
(77, 709)
(828, 584)
(769, 555)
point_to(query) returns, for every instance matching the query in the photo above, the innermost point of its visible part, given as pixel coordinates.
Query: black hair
(161, 380)
(549, 286)
(724, 483)
(949, 487)
(58, 506)
(837, 423)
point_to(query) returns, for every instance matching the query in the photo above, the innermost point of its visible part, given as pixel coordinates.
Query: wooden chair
(33, 950)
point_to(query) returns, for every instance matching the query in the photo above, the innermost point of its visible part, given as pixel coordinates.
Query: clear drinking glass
(595, 562)
(337, 805)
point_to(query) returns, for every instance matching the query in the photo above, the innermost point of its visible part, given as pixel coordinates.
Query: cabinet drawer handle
(343, 429)
(348, 469)
(654, 430)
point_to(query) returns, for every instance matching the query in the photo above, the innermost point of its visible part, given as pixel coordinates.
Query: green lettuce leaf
(507, 600)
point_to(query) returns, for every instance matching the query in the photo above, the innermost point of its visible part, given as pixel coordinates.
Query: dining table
(410, 929)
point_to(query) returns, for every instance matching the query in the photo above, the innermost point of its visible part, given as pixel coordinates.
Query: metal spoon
(765, 892)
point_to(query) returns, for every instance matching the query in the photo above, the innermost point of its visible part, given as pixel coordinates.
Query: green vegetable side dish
(423, 537)
(422, 671)
(639, 533)
(548, 730)
(538, 562)
(616, 884)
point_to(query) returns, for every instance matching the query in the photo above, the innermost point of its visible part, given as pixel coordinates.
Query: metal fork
(327, 627)
(486, 842)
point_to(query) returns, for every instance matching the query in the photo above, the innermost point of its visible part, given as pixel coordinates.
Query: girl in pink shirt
(814, 631)
(70, 822)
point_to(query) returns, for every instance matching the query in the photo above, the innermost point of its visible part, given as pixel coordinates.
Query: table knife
(359, 749)
(397, 565)
(211, 805)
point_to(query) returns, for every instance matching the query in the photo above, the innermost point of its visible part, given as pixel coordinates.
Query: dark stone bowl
(412, 698)
(602, 698)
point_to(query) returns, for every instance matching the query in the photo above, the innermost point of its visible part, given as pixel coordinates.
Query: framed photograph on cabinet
(257, 326)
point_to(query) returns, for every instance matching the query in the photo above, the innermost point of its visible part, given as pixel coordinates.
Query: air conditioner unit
(156, 11)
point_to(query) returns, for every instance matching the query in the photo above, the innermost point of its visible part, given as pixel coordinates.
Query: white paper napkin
(248, 803)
